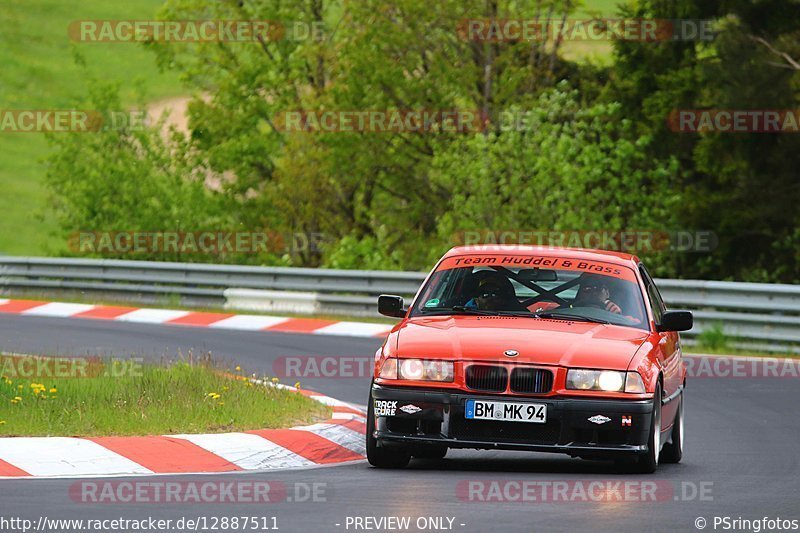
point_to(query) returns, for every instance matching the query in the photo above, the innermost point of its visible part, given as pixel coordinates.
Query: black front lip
(576, 434)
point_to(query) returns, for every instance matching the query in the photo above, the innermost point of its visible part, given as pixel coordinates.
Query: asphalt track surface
(741, 449)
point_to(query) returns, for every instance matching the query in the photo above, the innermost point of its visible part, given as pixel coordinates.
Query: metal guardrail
(758, 315)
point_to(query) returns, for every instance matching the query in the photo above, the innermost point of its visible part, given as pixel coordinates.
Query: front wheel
(378, 456)
(648, 462)
(673, 450)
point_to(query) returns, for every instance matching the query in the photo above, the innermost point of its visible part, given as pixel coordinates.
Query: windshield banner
(555, 263)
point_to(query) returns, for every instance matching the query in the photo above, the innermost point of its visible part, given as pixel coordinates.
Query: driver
(494, 292)
(595, 292)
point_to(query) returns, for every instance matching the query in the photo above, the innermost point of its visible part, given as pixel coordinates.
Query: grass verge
(102, 397)
(40, 72)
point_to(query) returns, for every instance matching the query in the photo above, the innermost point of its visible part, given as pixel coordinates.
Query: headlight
(605, 380)
(411, 369)
(581, 379)
(417, 370)
(611, 381)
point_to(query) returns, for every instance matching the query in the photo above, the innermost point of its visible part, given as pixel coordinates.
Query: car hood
(538, 341)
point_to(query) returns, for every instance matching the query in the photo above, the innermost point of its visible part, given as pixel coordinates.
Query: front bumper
(440, 421)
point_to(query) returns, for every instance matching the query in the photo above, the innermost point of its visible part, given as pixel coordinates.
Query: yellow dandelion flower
(221, 403)
(2, 422)
(275, 380)
(297, 385)
(238, 368)
(19, 387)
(53, 389)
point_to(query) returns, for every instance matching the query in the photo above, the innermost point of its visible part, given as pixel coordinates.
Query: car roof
(618, 258)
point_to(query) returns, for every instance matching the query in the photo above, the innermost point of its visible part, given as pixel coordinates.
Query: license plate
(506, 411)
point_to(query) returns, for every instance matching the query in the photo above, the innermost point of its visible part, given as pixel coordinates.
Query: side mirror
(392, 306)
(676, 321)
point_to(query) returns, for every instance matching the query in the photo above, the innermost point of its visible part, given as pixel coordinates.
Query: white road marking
(58, 309)
(354, 329)
(346, 437)
(247, 451)
(151, 316)
(65, 456)
(248, 322)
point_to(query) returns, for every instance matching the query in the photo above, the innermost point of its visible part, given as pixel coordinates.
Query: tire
(430, 452)
(381, 457)
(672, 452)
(648, 463)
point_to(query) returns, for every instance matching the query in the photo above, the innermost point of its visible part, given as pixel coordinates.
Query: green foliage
(570, 168)
(713, 339)
(742, 186)
(127, 178)
(594, 152)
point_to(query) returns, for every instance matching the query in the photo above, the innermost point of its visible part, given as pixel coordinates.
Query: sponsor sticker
(385, 407)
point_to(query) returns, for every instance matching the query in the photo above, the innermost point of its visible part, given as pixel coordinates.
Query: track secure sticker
(385, 407)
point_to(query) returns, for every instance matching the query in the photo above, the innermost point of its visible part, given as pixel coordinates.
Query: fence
(758, 315)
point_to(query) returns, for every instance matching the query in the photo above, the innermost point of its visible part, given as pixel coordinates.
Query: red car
(531, 348)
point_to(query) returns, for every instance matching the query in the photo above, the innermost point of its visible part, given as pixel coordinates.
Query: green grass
(39, 73)
(133, 398)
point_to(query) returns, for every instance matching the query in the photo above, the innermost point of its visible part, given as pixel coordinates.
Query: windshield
(557, 288)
